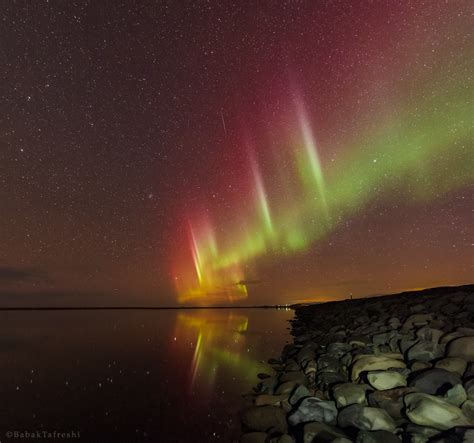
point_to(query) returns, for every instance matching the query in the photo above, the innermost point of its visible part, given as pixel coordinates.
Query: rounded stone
(462, 347)
(383, 380)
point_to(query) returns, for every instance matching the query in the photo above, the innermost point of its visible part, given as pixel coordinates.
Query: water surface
(168, 376)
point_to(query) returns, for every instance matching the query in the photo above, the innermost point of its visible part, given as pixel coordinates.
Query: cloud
(15, 275)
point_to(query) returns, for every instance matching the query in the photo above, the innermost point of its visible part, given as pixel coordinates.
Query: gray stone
(425, 351)
(338, 349)
(374, 363)
(428, 410)
(452, 364)
(435, 381)
(347, 394)
(456, 395)
(391, 400)
(300, 392)
(314, 409)
(326, 379)
(468, 409)
(429, 334)
(469, 388)
(329, 363)
(419, 366)
(321, 432)
(462, 347)
(383, 380)
(265, 419)
(365, 418)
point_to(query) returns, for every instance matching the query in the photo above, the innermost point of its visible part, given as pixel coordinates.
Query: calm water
(167, 376)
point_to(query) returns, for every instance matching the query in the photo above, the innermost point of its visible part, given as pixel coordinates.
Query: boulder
(297, 376)
(346, 394)
(314, 409)
(462, 347)
(383, 380)
(365, 418)
(425, 351)
(452, 364)
(391, 400)
(429, 334)
(286, 388)
(428, 410)
(300, 392)
(456, 395)
(434, 381)
(374, 363)
(321, 432)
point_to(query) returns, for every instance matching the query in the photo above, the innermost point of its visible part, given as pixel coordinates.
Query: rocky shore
(397, 368)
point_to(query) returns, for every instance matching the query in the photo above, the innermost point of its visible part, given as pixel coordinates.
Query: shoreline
(394, 368)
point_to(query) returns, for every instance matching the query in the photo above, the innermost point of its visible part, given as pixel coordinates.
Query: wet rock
(462, 347)
(265, 419)
(347, 394)
(435, 381)
(299, 393)
(374, 363)
(452, 364)
(314, 409)
(425, 351)
(383, 380)
(321, 432)
(365, 418)
(428, 410)
(377, 437)
(254, 437)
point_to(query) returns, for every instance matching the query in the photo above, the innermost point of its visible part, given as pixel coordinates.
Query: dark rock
(425, 351)
(365, 418)
(300, 392)
(325, 380)
(377, 437)
(462, 347)
(434, 381)
(321, 432)
(314, 409)
(346, 394)
(428, 410)
(391, 400)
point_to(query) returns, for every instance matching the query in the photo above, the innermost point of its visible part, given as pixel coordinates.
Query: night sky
(255, 152)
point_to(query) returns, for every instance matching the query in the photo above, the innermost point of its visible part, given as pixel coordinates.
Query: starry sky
(205, 152)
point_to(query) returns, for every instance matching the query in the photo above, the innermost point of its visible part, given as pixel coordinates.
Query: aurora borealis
(414, 144)
(202, 154)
